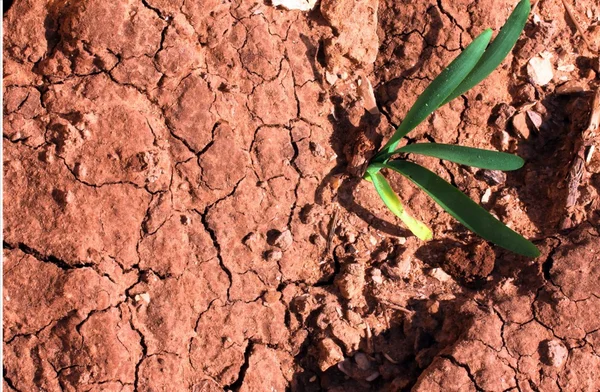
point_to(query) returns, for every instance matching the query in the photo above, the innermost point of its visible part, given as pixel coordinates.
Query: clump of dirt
(183, 207)
(472, 264)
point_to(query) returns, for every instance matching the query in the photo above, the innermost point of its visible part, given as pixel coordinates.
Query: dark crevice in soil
(6, 6)
(8, 380)
(549, 263)
(547, 267)
(209, 144)
(28, 334)
(336, 270)
(449, 15)
(295, 166)
(237, 384)
(144, 355)
(467, 369)
(156, 10)
(213, 236)
(97, 186)
(533, 386)
(46, 258)
(22, 140)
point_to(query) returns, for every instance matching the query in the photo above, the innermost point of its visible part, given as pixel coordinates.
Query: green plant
(473, 65)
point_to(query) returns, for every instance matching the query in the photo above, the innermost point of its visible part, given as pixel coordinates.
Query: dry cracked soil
(183, 212)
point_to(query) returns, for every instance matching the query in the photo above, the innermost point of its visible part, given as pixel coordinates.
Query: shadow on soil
(542, 183)
(420, 331)
(414, 336)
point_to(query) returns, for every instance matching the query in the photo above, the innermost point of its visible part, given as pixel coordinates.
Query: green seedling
(473, 65)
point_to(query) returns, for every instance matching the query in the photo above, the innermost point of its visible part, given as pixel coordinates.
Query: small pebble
(493, 177)
(351, 237)
(570, 87)
(520, 124)
(330, 77)
(376, 276)
(251, 241)
(504, 138)
(345, 367)
(404, 267)
(80, 170)
(372, 377)
(535, 118)
(273, 255)
(362, 361)
(504, 113)
(439, 274)
(555, 351)
(387, 356)
(142, 297)
(486, 196)
(70, 197)
(283, 240)
(539, 70)
(316, 149)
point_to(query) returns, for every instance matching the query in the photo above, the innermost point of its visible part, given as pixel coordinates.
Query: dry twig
(577, 25)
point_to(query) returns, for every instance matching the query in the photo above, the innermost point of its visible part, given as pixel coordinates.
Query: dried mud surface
(173, 171)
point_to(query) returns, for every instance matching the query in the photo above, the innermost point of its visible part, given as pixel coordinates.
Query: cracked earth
(182, 210)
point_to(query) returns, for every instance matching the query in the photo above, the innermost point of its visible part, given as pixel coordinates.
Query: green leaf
(463, 209)
(442, 86)
(392, 201)
(497, 51)
(485, 159)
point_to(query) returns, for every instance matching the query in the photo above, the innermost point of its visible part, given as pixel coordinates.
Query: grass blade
(497, 51)
(392, 201)
(463, 209)
(443, 85)
(485, 159)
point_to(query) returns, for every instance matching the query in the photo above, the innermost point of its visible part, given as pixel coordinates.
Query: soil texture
(183, 208)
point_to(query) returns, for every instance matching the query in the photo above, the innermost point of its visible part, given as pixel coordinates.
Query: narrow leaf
(463, 209)
(485, 159)
(392, 201)
(442, 86)
(497, 51)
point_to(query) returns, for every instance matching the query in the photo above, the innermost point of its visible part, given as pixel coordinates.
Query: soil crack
(63, 265)
(467, 369)
(237, 384)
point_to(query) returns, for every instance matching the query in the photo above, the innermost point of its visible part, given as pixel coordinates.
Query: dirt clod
(351, 280)
(554, 352)
(280, 239)
(273, 255)
(329, 354)
(470, 264)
